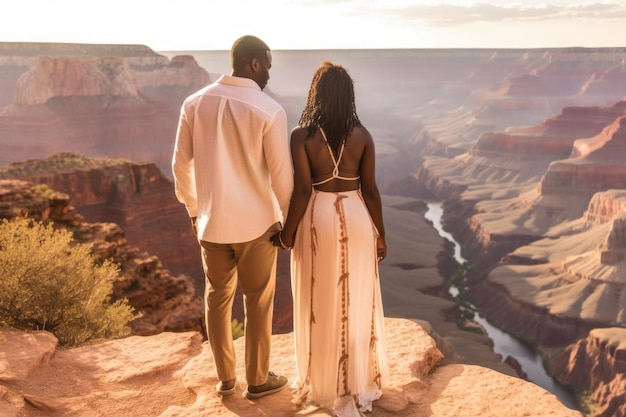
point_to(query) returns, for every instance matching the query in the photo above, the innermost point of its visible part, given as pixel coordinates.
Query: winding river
(504, 343)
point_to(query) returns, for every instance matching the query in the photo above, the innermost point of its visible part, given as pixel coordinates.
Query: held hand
(278, 240)
(193, 225)
(381, 249)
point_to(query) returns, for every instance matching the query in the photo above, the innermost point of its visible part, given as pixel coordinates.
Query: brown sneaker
(274, 384)
(225, 388)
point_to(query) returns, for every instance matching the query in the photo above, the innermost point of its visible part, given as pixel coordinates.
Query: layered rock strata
(167, 302)
(567, 283)
(113, 102)
(597, 363)
(550, 246)
(138, 198)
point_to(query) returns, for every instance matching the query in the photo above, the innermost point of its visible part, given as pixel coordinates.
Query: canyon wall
(167, 302)
(539, 211)
(141, 202)
(136, 196)
(597, 363)
(95, 100)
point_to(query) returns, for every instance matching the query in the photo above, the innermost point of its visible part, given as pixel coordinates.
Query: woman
(335, 227)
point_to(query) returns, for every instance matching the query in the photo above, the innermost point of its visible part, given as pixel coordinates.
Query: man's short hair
(245, 49)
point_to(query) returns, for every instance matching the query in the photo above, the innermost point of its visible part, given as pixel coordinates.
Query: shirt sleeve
(276, 148)
(183, 165)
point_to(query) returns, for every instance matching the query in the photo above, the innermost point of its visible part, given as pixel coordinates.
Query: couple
(233, 171)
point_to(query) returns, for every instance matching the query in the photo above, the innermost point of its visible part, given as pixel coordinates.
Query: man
(232, 171)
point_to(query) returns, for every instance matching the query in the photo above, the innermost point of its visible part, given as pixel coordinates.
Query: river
(504, 344)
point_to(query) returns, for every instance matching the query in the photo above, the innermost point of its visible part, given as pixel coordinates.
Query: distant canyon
(526, 149)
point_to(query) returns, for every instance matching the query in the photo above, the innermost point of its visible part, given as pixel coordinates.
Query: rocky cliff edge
(172, 374)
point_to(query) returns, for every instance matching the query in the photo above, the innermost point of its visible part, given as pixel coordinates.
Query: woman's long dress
(338, 313)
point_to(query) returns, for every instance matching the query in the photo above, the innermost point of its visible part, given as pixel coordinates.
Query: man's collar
(238, 81)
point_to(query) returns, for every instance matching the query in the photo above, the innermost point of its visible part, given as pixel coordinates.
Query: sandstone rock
(28, 351)
(181, 71)
(167, 302)
(605, 206)
(138, 198)
(172, 374)
(601, 82)
(525, 85)
(100, 100)
(134, 195)
(539, 213)
(75, 77)
(597, 363)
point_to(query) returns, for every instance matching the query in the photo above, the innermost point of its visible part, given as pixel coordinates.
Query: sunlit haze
(318, 24)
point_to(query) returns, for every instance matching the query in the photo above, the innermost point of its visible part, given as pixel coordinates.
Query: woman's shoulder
(299, 135)
(299, 130)
(361, 134)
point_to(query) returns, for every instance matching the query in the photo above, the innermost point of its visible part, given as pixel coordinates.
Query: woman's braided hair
(330, 105)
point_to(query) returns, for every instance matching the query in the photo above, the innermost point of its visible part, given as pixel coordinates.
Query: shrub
(48, 282)
(237, 329)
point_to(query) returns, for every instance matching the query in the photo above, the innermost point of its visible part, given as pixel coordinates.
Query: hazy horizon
(347, 24)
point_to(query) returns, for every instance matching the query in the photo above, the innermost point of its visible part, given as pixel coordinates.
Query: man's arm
(277, 154)
(183, 166)
(302, 189)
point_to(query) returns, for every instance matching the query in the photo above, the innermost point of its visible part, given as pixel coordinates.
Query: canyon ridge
(525, 148)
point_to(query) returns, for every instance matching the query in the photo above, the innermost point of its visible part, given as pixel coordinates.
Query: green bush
(237, 329)
(48, 282)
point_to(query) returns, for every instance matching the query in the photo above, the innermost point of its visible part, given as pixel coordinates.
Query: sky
(190, 25)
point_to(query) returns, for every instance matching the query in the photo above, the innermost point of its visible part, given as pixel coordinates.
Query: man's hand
(193, 225)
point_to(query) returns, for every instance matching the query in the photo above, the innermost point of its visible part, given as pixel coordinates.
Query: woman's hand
(278, 240)
(381, 248)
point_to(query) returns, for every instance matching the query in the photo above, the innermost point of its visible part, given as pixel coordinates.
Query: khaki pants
(254, 265)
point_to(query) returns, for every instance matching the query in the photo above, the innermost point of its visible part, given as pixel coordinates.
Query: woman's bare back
(349, 166)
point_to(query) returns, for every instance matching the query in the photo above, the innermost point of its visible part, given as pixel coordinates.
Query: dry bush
(48, 282)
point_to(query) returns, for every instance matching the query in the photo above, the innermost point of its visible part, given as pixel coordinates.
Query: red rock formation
(614, 250)
(596, 165)
(597, 363)
(553, 254)
(572, 279)
(608, 145)
(605, 206)
(167, 302)
(550, 270)
(603, 82)
(554, 137)
(180, 71)
(113, 378)
(98, 101)
(138, 198)
(75, 77)
(135, 196)
(16, 58)
(568, 70)
(525, 86)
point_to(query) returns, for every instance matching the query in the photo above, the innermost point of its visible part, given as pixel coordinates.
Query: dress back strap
(332, 155)
(336, 162)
